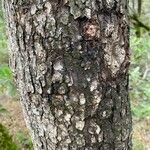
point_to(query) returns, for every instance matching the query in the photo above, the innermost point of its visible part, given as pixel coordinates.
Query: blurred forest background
(13, 133)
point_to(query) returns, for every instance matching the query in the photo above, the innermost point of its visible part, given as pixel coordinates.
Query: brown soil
(13, 119)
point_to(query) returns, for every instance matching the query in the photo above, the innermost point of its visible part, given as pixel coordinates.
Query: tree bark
(70, 59)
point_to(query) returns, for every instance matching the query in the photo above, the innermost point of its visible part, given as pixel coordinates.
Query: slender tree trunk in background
(70, 60)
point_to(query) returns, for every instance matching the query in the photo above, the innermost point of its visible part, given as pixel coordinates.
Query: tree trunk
(70, 59)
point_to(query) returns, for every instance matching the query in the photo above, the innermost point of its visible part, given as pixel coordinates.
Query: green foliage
(6, 142)
(139, 16)
(138, 145)
(140, 76)
(24, 141)
(141, 111)
(3, 41)
(6, 80)
(2, 109)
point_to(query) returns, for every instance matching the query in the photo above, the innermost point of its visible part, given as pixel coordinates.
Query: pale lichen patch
(109, 3)
(63, 130)
(59, 138)
(74, 98)
(100, 137)
(48, 7)
(98, 129)
(51, 26)
(80, 140)
(94, 85)
(87, 13)
(28, 28)
(58, 112)
(95, 103)
(57, 77)
(80, 125)
(68, 140)
(75, 10)
(82, 99)
(69, 80)
(94, 128)
(104, 114)
(114, 57)
(93, 139)
(58, 66)
(23, 18)
(67, 117)
(33, 9)
(42, 68)
(62, 90)
(88, 79)
(109, 29)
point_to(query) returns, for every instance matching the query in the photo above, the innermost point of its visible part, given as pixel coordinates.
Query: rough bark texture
(70, 59)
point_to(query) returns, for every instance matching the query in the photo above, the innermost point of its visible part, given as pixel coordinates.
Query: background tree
(70, 60)
(138, 17)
